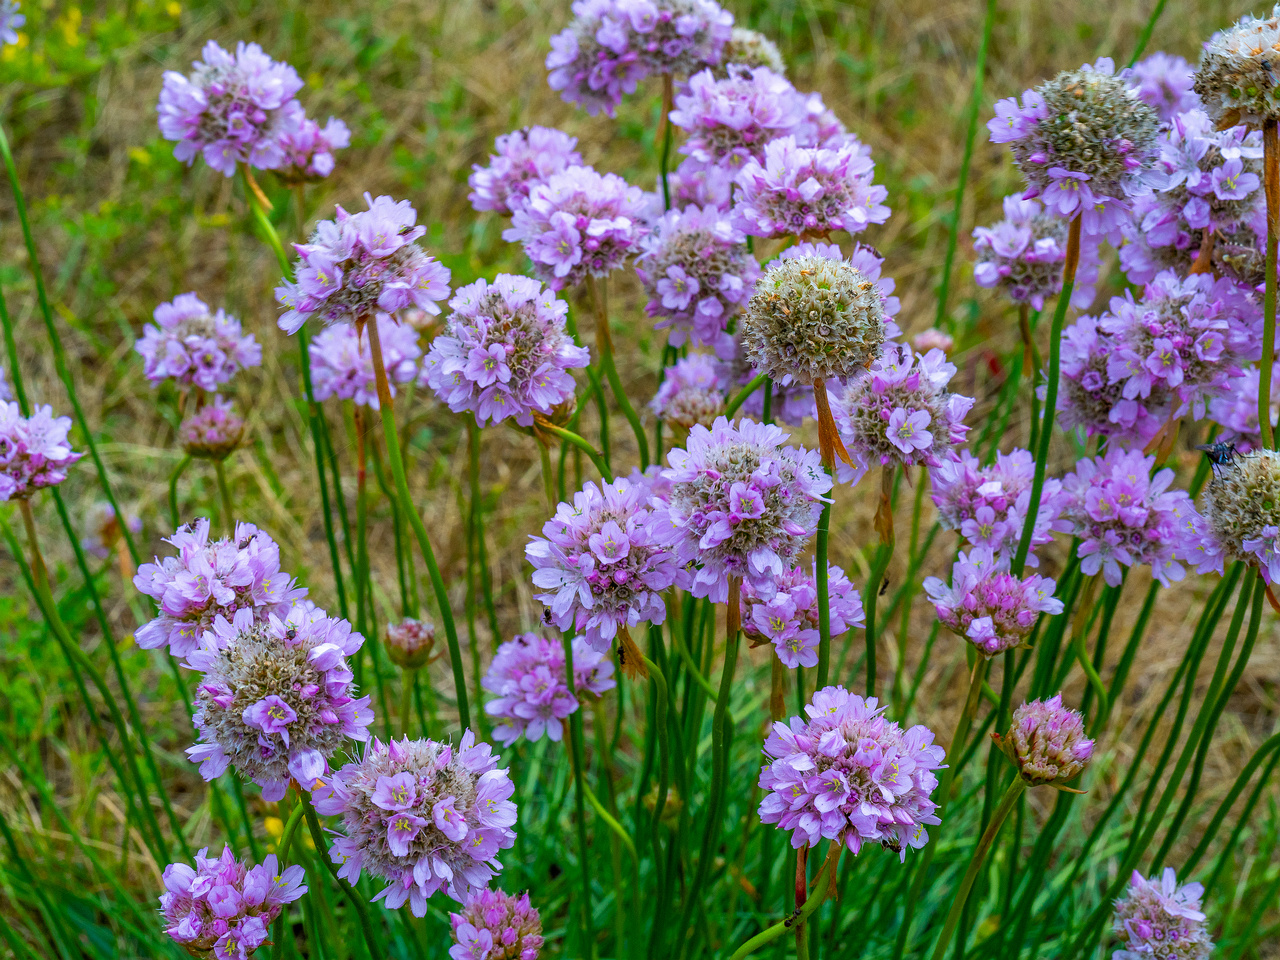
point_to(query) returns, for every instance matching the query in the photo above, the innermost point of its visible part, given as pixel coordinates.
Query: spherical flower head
(309, 150)
(1237, 410)
(363, 265)
(698, 275)
(728, 120)
(527, 676)
(1022, 256)
(233, 108)
(602, 562)
(1046, 742)
(1125, 516)
(103, 529)
(496, 926)
(900, 413)
(342, 362)
(741, 504)
(1242, 514)
(211, 579)
(410, 642)
(1235, 79)
(845, 773)
(1084, 141)
(692, 391)
(35, 451)
(276, 699)
(1089, 400)
(693, 183)
(504, 352)
(422, 815)
(194, 346)
(1160, 920)
(10, 21)
(808, 191)
(933, 339)
(522, 158)
(213, 432)
(789, 618)
(1164, 83)
(750, 49)
(222, 908)
(989, 606)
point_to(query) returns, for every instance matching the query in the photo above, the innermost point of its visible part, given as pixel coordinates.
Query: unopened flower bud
(1046, 742)
(409, 643)
(212, 432)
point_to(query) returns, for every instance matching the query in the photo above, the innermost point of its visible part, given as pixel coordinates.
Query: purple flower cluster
(1046, 742)
(35, 451)
(222, 908)
(234, 108)
(1237, 409)
(577, 224)
(698, 275)
(212, 432)
(729, 120)
(10, 21)
(207, 580)
(309, 148)
(195, 347)
(524, 158)
(741, 504)
(694, 183)
(901, 413)
(276, 699)
(692, 391)
(1160, 920)
(611, 45)
(504, 352)
(1022, 256)
(496, 926)
(1089, 399)
(533, 696)
(602, 561)
(1125, 516)
(850, 776)
(360, 265)
(1164, 83)
(988, 504)
(789, 618)
(808, 191)
(422, 815)
(988, 605)
(342, 362)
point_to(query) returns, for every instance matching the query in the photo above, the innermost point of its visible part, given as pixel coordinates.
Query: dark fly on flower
(1219, 454)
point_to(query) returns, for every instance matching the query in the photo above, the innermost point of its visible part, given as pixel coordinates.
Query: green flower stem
(548, 475)
(604, 346)
(11, 349)
(290, 828)
(1271, 187)
(1145, 37)
(871, 594)
(420, 531)
(353, 896)
(824, 607)
(611, 822)
(766, 412)
(822, 888)
(174, 516)
(915, 554)
(663, 135)
(482, 553)
(1269, 746)
(228, 512)
(582, 444)
(744, 394)
(580, 814)
(1079, 634)
(47, 912)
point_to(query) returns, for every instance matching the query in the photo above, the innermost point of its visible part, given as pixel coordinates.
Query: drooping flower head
(522, 159)
(276, 699)
(728, 120)
(504, 352)
(578, 224)
(234, 108)
(692, 391)
(212, 432)
(988, 605)
(789, 618)
(698, 275)
(194, 346)
(360, 265)
(10, 21)
(211, 579)
(496, 926)
(750, 49)
(223, 908)
(35, 451)
(342, 362)
(602, 562)
(901, 413)
(848, 774)
(422, 815)
(741, 504)
(809, 191)
(1160, 920)
(1046, 742)
(1164, 83)
(1022, 256)
(309, 150)
(1236, 411)
(103, 531)
(1124, 516)
(1242, 515)
(532, 694)
(1235, 79)
(409, 643)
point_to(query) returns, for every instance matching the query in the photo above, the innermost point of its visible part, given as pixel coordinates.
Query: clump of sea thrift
(496, 926)
(234, 108)
(212, 432)
(693, 391)
(789, 618)
(309, 150)
(410, 642)
(35, 451)
(1164, 83)
(1022, 256)
(522, 159)
(750, 49)
(988, 605)
(195, 347)
(1046, 742)
(1242, 515)
(1160, 920)
(224, 908)
(849, 775)
(208, 579)
(276, 699)
(729, 120)
(1089, 399)
(533, 696)
(741, 504)
(1236, 77)
(504, 352)
(422, 815)
(360, 265)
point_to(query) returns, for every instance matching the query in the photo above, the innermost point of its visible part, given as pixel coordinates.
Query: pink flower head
(1160, 919)
(1164, 83)
(309, 150)
(1022, 256)
(1046, 742)
(692, 391)
(523, 159)
(533, 697)
(728, 120)
(789, 619)
(212, 432)
(496, 926)
(35, 451)
(195, 347)
(342, 362)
